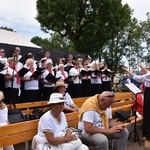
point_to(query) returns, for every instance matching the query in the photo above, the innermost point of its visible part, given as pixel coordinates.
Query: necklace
(57, 120)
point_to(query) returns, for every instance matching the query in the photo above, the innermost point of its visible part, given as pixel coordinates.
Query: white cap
(56, 98)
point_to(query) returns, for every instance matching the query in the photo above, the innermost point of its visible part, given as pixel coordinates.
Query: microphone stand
(12, 83)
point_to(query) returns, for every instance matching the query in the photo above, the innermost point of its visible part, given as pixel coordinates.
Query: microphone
(14, 55)
(40, 52)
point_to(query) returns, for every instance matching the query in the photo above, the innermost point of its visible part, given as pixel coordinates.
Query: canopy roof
(14, 38)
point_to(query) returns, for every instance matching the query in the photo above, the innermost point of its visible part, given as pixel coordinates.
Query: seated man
(96, 127)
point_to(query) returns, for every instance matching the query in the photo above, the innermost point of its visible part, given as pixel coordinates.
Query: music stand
(135, 90)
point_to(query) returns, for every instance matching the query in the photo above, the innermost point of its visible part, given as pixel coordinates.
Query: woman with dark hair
(48, 85)
(74, 88)
(106, 79)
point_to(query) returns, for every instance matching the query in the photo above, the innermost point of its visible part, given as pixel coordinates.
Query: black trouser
(146, 113)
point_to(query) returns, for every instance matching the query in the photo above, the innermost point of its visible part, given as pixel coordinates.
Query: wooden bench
(24, 131)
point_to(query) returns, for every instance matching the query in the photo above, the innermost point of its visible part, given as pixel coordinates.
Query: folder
(84, 72)
(133, 88)
(68, 79)
(51, 78)
(22, 60)
(2, 66)
(97, 72)
(35, 74)
(107, 73)
(67, 68)
(22, 72)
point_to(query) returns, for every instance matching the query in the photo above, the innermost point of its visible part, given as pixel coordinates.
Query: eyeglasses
(110, 95)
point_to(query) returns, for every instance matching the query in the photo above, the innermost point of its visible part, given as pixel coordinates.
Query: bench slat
(18, 127)
(17, 138)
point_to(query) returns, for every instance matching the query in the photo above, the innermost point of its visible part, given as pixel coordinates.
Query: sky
(20, 15)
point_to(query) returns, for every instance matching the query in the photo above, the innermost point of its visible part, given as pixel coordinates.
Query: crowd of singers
(82, 77)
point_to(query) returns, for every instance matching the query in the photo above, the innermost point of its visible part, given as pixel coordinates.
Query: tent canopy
(14, 38)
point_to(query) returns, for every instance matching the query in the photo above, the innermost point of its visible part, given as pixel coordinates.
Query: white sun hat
(56, 98)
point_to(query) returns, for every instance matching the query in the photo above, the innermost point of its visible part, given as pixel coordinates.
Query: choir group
(35, 80)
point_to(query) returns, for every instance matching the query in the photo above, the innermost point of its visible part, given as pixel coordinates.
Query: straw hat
(59, 83)
(56, 98)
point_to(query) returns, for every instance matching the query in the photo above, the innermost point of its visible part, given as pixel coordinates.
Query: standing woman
(145, 78)
(106, 79)
(31, 85)
(74, 88)
(86, 81)
(96, 81)
(4, 118)
(48, 86)
(12, 81)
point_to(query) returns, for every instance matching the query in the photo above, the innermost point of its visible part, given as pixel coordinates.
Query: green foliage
(88, 24)
(6, 28)
(56, 42)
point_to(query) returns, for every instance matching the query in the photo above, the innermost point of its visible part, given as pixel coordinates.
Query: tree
(6, 28)
(145, 37)
(56, 42)
(88, 24)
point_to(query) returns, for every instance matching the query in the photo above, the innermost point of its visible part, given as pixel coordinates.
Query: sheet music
(133, 88)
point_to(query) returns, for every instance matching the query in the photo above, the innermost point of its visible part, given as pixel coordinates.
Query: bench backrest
(24, 131)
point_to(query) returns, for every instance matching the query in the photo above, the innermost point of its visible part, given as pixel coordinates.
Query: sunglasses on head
(110, 95)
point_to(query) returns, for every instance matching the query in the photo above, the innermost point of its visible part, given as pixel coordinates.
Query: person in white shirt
(48, 85)
(4, 118)
(86, 80)
(12, 81)
(96, 81)
(106, 79)
(69, 106)
(31, 85)
(145, 79)
(47, 57)
(74, 88)
(97, 125)
(53, 131)
(3, 61)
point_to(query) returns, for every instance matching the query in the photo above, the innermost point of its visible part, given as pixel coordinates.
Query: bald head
(106, 99)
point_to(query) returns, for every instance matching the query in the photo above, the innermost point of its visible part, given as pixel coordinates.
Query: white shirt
(59, 74)
(8, 83)
(105, 77)
(49, 123)
(93, 117)
(45, 73)
(30, 85)
(144, 78)
(96, 80)
(69, 100)
(75, 72)
(3, 116)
